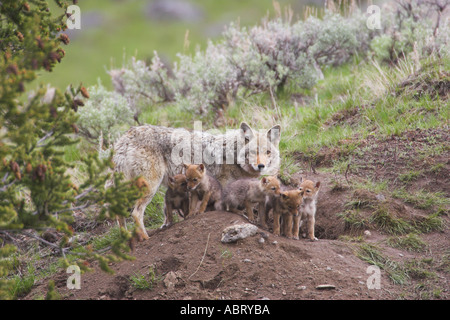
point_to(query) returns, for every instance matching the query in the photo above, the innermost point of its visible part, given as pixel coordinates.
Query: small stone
(261, 240)
(170, 280)
(367, 233)
(301, 288)
(239, 231)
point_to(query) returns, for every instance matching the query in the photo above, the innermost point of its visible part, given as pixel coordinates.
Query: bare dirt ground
(205, 268)
(191, 262)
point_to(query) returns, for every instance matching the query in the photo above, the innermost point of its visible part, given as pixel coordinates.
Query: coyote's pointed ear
(274, 134)
(284, 195)
(317, 185)
(185, 165)
(171, 179)
(201, 167)
(246, 131)
(264, 180)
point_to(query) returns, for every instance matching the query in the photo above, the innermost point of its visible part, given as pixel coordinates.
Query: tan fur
(310, 192)
(286, 206)
(246, 192)
(202, 187)
(148, 152)
(176, 198)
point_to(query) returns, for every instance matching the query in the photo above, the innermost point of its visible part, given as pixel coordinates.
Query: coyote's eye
(301, 188)
(269, 152)
(308, 191)
(195, 179)
(273, 188)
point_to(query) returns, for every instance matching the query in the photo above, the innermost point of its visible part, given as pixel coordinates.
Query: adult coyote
(154, 153)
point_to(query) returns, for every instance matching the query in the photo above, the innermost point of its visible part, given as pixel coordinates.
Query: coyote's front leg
(193, 201)
(205, 201)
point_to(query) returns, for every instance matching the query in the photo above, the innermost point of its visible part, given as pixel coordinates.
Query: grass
(422, 199)
(411, 175)
(145, 281)
(387, 221)
(121, 29)
(354, 221)
(410, 242)
(25, 277)
(372, 255)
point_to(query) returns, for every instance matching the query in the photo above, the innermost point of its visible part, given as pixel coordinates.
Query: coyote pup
(244, 192)
(176, 198)
(310, 192)
(286, 206)
(202, 187)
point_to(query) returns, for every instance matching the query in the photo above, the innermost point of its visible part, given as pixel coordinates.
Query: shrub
(205, 80)
(278, 52)
(142, 85)
(409, 26)
(103, 115)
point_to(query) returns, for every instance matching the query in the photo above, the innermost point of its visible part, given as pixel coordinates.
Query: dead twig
(204, 254)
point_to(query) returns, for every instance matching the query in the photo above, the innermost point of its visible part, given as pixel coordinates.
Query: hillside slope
(189, 261)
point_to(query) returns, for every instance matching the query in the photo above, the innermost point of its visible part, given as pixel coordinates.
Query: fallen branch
(61, 250)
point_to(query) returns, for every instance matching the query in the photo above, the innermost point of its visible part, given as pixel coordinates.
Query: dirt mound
(189, 261)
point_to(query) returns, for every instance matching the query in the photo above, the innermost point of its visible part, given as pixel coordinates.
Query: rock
(238, 231)
(301, 288)
(172, 280)
(261, 240)
(367, 233)
(264, 235)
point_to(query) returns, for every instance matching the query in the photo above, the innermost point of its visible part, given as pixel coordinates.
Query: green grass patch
(422, 199)
(145, 281)
(372, 255)
(410, 242)
(353, 220)
(387, 221)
